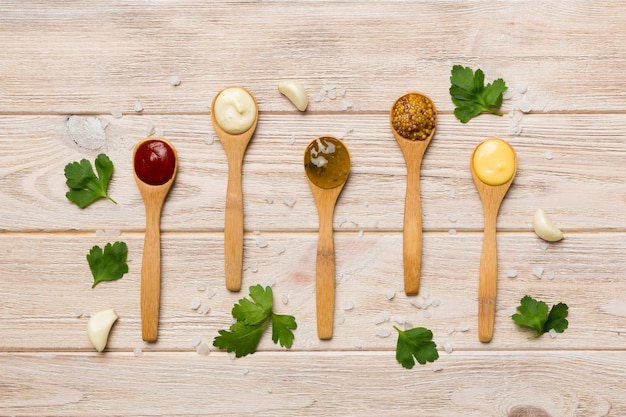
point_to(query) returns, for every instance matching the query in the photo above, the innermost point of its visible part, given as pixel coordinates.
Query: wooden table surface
(68, 68)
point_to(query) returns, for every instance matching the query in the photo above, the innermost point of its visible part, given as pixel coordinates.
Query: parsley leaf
(253, 317)
(108, 265)
(535, 315)
(471, 96)
(85, 186)
(415, 344)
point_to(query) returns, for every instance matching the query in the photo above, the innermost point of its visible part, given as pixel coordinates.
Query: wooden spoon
(491, 197)
(327, 165)
(413, 151)
(154, 166)
(235, 147)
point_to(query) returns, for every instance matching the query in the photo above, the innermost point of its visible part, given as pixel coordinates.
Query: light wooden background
(564, 64)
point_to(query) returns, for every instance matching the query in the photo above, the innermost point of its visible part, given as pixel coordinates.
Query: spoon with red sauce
(154, 165)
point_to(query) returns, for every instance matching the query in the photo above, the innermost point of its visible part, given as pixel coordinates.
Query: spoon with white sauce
(493, 166)
(234, 113)
(327, 165)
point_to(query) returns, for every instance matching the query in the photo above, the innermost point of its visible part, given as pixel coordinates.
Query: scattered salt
(550, 275)
(232, 355)
(341, 319)
(150, 129)
(390, 293)
(464, 327)
(525, 106)
(511, 311)
(381, 318)
(427, 314)
(175, 80)
(450, 329)
(78, 313)
(290, 201)
(357, 344)
(424, 293)
(210, 293)
(201, 286)
(548, 155)
(348, 305)
(293, 139)
(204, 309)
(436, 367)
(269, 199)
(203, 349)
(196, 303)
(138, 107)
(360, 234)
(538, 271)
(117, 114)
(319, 161)
(208, 139)
(522, 88)
(399, 319)
(381, 332)
(552, 333)
(436, 302)
(279, 249)
(195, 342)
(261, 242)
(346, 104)
(285, 299)
(452, 232)
(246, 371)
(254, 268)
(447, 346)
(511, 273)
(137, 352)
(417, 302)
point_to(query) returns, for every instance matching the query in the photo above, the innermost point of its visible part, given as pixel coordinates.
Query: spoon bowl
(491, 197)
(235, 147)
(413, 151)
(327, 166)
(155, 163)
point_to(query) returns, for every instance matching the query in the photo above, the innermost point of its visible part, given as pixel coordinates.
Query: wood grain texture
(81, 78)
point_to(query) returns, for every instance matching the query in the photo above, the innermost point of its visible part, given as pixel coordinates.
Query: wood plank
(100, 56)
(578, 384)
(586, 160)
(46, 281)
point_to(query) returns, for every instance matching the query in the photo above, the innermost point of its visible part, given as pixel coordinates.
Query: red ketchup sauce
(155, 162)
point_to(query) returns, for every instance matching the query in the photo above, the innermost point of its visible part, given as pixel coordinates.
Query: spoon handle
(412, 237)
(233, 226)
(151, 274)
(325, 271)
(488, 281)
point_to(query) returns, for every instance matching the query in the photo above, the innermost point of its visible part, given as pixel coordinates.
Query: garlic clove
(295, 92)
(545, 228)
(99, 326)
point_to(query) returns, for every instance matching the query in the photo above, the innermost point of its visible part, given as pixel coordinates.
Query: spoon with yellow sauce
(413, 119)
(493, 166)
(327, 165)
(234, 114)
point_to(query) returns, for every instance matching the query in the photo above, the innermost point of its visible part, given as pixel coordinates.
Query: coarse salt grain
(550, 275)
(201, 286)
(548, 155)
(285, 299)
(417, 302)
(436, 367)
(150, 129)
(137, 352)
(511, 273)
(341, 319)
(138, 107)
(511, 311)
(436, 302)
(447, 346)
(381, 318)
(279, 249)
(383, 333)
(208, 139)
(203, 349)
(390, 293)
(195, 342)
(196, 303)
(552, 333)
(289, 201)
(450, 329)
(427, 314)
(210, 293)
(538, 271)
(464, 327)
(205, 309)
(357, 344)
(261, 242)
(175, 80)
(348, 305)
(117, 114)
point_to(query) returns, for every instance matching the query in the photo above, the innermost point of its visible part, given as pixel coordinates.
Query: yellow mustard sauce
(494, 161)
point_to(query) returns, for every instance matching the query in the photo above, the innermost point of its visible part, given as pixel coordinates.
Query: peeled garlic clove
(99, 326)
(294, 91)
(545, 228)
